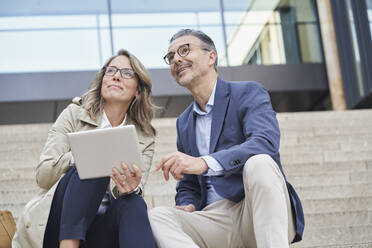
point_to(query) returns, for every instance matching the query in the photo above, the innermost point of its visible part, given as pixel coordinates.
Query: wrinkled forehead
(181, 41)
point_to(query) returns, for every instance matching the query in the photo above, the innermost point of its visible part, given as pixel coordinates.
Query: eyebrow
(119, 68)
(179, 47)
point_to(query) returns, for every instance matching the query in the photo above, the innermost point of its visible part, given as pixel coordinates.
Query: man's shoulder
(245, 86)
(247, 92)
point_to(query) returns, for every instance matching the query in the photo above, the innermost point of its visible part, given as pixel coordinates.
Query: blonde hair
(140, 110)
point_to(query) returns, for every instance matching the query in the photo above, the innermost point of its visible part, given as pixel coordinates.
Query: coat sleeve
(188, 188)
(56, 154)
(260, 129)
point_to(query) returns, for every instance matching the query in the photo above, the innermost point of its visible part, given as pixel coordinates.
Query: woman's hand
(128, 181)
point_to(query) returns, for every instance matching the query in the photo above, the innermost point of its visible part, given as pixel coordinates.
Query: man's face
(194, 65)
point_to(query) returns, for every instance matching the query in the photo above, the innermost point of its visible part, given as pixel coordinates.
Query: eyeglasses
(182, 51)
(125, 72)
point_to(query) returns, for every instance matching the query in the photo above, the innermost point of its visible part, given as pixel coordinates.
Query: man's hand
(178, 163)
(188, 208)
(128, 181)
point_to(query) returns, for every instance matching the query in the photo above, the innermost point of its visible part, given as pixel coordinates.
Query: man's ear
(212, 57)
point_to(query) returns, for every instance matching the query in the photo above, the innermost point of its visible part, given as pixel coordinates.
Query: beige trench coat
(54, 162)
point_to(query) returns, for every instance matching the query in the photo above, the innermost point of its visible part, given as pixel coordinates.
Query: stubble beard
(186, 80)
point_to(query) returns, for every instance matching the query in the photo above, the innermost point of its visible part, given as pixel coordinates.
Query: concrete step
(308, 168)
(343, 218)
(335, 191)
(327, 236)
(317, 206)
(319, 122)
(20, 184)
(335, 178)
(17, 195)
(355, 244)
(349, 116)
(323, 131)
(17, 173)
(348, 139)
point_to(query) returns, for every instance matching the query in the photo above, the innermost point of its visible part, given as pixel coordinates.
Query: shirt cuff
(72, 161)
(214, 168)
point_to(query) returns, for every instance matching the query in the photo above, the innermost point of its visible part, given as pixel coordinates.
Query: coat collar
(84, 117)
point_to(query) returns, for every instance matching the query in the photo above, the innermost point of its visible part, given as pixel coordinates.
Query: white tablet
(96, 151)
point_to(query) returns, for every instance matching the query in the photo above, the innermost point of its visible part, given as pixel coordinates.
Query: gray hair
(206, 41)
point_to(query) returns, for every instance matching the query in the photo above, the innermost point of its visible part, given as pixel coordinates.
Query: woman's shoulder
(144, 137)
(75, 105)
(74, 111)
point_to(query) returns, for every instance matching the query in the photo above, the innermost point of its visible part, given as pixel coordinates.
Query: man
(232, 191)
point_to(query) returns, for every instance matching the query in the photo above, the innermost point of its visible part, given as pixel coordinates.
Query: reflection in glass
(271, 32)
(287, 34)
(369, 12)
(355, 48)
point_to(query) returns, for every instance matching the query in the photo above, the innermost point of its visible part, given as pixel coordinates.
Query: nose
(116, 76)
(177, 59)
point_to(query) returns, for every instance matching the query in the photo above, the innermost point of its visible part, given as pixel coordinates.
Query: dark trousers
(73, 215)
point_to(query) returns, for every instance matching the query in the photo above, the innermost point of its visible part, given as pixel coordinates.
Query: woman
(70, 212)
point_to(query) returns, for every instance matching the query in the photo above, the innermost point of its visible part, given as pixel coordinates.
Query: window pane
(309, 43)
(149, 45)
(49, 51)
(48, 22)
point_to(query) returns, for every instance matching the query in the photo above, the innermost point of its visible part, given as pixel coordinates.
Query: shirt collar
(105, 123)
(209, 106)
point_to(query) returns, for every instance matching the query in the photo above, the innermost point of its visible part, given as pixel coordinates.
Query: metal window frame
(346, 52)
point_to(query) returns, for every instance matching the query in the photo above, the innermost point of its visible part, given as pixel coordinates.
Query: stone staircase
(327, 156)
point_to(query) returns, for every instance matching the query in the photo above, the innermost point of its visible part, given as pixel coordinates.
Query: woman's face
(116, 88)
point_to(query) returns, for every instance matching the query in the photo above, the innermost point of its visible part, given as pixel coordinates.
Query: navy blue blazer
(243, 124)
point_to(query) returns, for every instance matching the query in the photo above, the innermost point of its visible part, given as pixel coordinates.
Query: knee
(132, 203)
(159, 213)
(260, 170)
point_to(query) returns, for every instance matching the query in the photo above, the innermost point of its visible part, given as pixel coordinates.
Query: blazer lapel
(221, 101)
(191, 133)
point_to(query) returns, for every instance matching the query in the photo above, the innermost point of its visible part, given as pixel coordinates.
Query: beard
(185, 80)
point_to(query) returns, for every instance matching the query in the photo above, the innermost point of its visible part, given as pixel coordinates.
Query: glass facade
(352, 20)
(53, 43)
(69, 36)
(355, 48)
(369, 12)
(291, 35)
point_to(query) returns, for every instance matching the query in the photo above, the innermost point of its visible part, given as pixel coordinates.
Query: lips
(182, 68)
(115, 86)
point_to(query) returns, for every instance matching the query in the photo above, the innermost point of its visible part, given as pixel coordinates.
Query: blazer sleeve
(56, 154)
(188, 188)
(260, 129)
